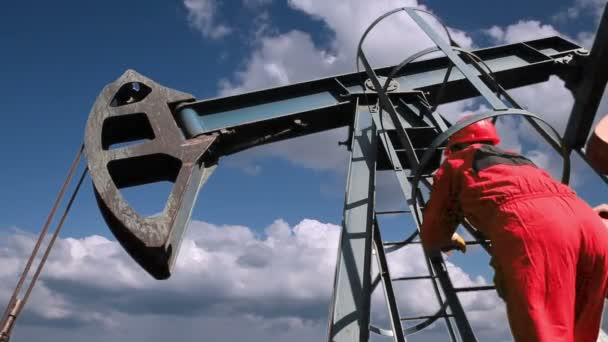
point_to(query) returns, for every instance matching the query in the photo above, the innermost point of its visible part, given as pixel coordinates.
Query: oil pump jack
(393, 125)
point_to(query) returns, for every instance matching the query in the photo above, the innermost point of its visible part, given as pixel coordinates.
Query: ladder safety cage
(412, 164)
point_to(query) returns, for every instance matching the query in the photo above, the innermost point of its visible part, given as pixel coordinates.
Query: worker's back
(549, 248)
(486, 178)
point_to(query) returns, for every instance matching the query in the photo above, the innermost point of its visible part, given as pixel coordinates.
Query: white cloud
(281, 279)
(551, 100)
(580, 8)
(285, 58)
(392, 40)
(212, 327)
(521, 31)
(202, 15)
(280, 60)
(293, 56)
(534, 29)
(586, 39)
(577, 12)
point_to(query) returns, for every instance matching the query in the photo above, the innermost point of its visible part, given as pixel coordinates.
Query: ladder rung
(475, 288)
(399, 243)
(422, 176)
(414, 318)
(413, 278)
(417, 149)
(476, 242)
(387, 212)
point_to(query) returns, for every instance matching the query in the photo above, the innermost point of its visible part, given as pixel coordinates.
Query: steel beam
(387, 282)
(324, 103)
(588, 89)
(122, 115)
(468, 71)
(350, 307)
(172, 137)
(433, 267)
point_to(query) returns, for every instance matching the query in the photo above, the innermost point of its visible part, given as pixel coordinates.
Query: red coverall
(549, 248)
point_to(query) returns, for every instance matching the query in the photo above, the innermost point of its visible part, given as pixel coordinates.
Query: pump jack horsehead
(391, 121)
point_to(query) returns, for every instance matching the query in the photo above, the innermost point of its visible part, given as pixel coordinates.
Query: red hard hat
(479, 131)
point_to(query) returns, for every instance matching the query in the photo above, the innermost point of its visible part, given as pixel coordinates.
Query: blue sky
(53, 69)
(55, 65)
(56, 58)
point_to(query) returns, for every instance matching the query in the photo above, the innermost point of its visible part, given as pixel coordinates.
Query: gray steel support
(454, 302)
(321, 102)
(350, 307)
(468, 71)
(471, 74)
(387, 283)
(588, 93)
(140, 132)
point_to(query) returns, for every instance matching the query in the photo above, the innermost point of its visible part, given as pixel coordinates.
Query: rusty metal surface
(136, 108)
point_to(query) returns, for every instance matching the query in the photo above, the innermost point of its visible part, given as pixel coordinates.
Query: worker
(549, 248)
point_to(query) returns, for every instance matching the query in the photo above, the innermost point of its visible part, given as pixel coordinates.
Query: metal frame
(439, 271)
(188, 137)
(133, 108)
(392, 124)
(350, 308)
(588, 87)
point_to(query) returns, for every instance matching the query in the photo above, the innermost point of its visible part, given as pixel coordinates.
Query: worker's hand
(456, 243)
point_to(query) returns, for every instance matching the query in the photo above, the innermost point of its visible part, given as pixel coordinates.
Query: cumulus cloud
(397, 34)
(280, 60)
(551, 100)
(580, 8)
(202, 15)
(293, 56)
(522, 30)
(534, 29)
(213, 327)
(279, 278)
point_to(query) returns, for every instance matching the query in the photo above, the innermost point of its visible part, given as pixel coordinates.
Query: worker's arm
(442, 213)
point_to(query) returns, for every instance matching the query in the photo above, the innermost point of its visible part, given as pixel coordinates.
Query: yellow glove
(456, 243)
(459, 243)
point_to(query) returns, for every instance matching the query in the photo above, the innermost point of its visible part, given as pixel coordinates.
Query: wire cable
(15, 304)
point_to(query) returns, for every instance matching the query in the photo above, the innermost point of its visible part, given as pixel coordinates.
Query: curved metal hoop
(389, 13)
(415, 328)
(424, 52)
(426, 157)
(402, 243)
